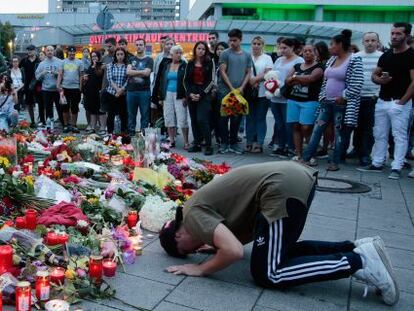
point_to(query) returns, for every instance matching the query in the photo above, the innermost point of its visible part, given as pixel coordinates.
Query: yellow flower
(29, 180)
(93, 200)
(4, 162)
(70, 274)
(123, 153)
(68, 139)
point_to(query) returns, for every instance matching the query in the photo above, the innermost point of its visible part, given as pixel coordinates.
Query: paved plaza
(387, 210)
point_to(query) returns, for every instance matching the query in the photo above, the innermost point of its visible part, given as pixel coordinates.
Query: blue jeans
(135, 100)
(256, 121)
(284, 130)
(329, 112)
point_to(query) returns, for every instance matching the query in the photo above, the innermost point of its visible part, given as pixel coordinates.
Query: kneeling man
(268, 203)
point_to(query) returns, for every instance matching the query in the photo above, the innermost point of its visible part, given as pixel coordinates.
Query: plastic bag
(4, 124)
(62, 99)
(49, 189)
(234, 104)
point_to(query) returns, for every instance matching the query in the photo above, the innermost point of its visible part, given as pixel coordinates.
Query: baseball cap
(31, 47)
(71, 49)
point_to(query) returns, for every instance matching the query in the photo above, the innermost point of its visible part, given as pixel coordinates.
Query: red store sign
(152, 37)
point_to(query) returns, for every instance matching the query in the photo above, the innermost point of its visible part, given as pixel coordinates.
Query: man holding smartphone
(395, 75)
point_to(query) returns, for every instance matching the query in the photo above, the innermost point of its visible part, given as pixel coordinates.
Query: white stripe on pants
(300, 271)
(390, 114)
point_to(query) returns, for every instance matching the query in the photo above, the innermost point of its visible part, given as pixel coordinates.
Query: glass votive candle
(31, 219)
(109, 267)
(20, 223)
(132, 219)
(57, 276)
(23, 296)
(6, 258)
(42, 286)
(95, 268)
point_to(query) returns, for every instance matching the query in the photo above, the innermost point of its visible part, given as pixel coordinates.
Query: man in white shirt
(363, 134)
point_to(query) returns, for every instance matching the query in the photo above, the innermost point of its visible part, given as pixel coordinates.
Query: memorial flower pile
(73, 209)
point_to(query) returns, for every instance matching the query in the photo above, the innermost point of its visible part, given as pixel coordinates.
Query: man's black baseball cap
(31, 47)
(167, 235)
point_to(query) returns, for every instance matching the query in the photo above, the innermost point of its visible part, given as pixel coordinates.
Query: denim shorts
(301, 112)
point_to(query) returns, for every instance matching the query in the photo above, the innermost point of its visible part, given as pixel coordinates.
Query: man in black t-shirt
(138, 87)
(29, 65)
(395, 75)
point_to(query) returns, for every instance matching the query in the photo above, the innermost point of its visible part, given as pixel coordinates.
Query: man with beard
(395, 75)
(213, 37)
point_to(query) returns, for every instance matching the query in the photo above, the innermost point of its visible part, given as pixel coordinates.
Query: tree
(6, 35)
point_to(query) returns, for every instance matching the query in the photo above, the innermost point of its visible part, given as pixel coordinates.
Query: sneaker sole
(368, 171)
(380, 248)
(394, 177)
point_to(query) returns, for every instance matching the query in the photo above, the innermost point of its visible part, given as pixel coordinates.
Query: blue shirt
(172, 81)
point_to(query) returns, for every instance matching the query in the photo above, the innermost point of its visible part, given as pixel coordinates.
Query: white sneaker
(359, 242)
(411, 174)
(377, 270)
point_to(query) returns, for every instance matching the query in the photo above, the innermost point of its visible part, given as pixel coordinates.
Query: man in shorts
(268, 204)
(69, 81)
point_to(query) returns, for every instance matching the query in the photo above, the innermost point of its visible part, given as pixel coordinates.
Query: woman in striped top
(339, 98)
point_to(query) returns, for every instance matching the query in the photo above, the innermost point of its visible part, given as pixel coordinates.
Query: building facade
(361, 15)
(142, 9)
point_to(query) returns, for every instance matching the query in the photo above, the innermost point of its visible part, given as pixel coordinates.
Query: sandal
(186, 146)
(257, 149)
(248, 148)
(332, 168)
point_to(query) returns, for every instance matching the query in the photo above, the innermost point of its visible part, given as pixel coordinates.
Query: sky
(23, 6)
(30, 6)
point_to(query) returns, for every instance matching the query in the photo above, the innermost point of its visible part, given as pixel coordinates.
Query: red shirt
(198, 77)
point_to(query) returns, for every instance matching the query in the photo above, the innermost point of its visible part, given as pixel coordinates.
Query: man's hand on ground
(188, 269)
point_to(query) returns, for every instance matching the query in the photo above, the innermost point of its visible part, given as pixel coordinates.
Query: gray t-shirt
(72, 69)
(140, 83)
(237, 63)
(49, 79)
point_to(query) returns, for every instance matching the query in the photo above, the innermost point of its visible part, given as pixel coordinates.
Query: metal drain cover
(327, 184)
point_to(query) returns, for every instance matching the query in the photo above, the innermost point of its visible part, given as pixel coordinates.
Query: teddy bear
(272, 84)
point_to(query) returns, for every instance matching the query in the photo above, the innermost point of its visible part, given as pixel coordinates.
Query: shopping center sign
(152, 37)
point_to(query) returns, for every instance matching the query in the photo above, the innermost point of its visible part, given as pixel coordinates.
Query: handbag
(251, 92)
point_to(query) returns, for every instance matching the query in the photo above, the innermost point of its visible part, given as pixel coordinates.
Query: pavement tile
(208, 294)
(167, 306)
(138, 292)
(391, 239)
(238, 273)
(373, 302)
(398, 224)
(401, 258)
(152, 265)
(326, 204)
(332, 223)
(331, 295)
(405, 279)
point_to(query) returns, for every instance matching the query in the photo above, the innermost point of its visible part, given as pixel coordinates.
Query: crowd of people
(329, 95)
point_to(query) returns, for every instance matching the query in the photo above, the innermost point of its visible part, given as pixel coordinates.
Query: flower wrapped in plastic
(234, 104)
(155, 212)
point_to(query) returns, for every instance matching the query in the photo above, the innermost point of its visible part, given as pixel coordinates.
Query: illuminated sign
(153, 25)
(30, 16)
(152, 37)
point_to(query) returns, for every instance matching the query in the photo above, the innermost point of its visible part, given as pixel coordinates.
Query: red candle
(95, 268)
(52, 239)
(20, 223)
(132, 219)
(6, 258)
(1, 301)
(109, 267)
(23, 296)
(31, 219)
(42, 286)
(63, 238)
(57, 276)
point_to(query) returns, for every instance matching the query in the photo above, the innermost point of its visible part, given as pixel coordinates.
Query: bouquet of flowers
(155, 212)
(234, 104)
